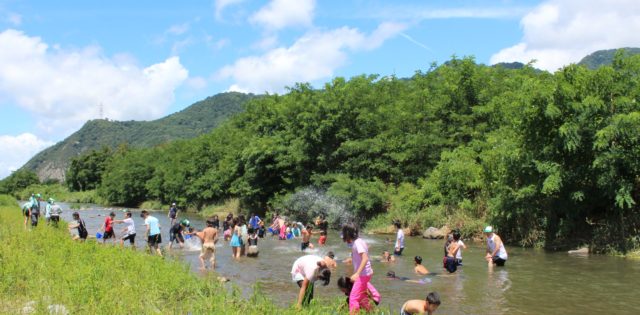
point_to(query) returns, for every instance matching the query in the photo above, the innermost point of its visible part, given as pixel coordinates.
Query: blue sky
(61, 61)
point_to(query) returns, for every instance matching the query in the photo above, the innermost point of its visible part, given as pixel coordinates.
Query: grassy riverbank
(45, 266)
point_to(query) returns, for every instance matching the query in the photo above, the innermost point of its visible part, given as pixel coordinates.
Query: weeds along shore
(43, 268)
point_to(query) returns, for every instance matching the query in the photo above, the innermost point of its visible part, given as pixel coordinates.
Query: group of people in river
(242, 236)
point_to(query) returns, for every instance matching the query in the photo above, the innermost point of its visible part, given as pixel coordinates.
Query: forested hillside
(605, 57)
(550, 159)
(199, 118)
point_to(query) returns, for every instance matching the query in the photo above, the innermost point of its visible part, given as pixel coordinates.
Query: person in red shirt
(107, 227)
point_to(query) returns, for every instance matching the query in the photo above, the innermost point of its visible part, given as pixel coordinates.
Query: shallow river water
(532, 282)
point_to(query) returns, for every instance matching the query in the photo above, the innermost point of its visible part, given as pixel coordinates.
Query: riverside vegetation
(548, 158)
(91, 278)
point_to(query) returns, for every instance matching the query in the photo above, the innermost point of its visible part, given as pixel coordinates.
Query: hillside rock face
(197, 119)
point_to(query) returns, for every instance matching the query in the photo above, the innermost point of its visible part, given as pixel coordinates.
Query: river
(533, 281)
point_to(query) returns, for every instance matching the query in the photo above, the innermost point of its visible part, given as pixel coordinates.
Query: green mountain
(199, 118)
(604, 57)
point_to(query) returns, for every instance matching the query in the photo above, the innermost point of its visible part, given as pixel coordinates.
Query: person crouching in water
(419, 268)
(209, 238)
(305, 271)
(346, 285)
(427, 306)
(252, 241)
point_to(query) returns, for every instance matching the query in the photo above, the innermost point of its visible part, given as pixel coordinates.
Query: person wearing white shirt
(399, 246)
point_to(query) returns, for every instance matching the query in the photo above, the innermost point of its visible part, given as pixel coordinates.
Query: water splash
(308, 203)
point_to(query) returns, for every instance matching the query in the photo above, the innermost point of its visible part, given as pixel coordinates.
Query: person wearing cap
(176, 231)
(34, 211)
(496, 252)
(173, 214)
(52, 212)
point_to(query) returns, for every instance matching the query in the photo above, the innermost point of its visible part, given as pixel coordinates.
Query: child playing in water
(346, 285)
(461, 245)
(362, 271)
(295, 230)
(323, 238)
(252, 251)
(235, 238)
(419, 268)
(129, 231)
(80, 225)
(450, 262)
(107, 227)
(209, 238)
(305, 271)
(427, 306)
(387, 257)
(306, 238)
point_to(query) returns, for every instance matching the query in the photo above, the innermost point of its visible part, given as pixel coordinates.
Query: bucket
(98, 235)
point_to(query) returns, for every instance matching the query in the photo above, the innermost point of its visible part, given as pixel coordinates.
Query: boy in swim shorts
(209, 238)
(426, 306)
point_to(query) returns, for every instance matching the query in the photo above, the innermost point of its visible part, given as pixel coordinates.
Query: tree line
(551, 159)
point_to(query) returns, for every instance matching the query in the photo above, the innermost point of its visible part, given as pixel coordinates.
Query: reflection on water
(533, 281)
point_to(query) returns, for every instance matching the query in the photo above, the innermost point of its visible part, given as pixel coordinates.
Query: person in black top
(80, 225)
(215, 222)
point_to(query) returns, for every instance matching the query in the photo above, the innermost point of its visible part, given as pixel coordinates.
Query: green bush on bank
(45, 266)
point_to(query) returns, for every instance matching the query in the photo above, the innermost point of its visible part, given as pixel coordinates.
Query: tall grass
(45, 266)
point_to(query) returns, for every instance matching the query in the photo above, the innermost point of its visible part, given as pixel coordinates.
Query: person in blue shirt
(254, 221)
(152, 232)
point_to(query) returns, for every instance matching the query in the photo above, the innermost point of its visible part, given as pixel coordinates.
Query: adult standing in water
(399, 247)
(173, 214)
(305, 271)
(362, 271)
(152, 232)
(254, 221)
(496, 253)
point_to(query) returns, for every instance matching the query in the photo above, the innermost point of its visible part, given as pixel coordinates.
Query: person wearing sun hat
(34, 212)
(496, 252)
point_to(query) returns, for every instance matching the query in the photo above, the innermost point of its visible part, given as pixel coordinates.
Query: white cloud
(316, 55)
(279, 14)
(17, 150)
(220, 5)
(557, 33)
(64, 88)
